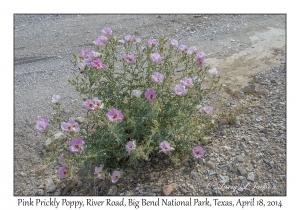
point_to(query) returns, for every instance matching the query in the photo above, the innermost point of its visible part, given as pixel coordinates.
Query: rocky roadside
(246, 156)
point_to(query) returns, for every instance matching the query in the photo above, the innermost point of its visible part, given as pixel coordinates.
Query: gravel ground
(247, 158)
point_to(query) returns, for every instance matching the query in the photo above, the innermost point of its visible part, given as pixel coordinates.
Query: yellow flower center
(100, 172)
(65, 172)
(197, 152)
(115, 116)
(69, 127)
(151, 96)
(116, 176)
(76, 146)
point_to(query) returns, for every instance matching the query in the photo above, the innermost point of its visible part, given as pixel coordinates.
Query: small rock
(22, 174)
(42, 186)
(241, 171)
(49, 185)
(112, 190)
(201, 161)
(157, 190)
(266, 161)
(67, 189)
(211, 173)
(271, 163)
(264, 130)
(210, 164)
(251, 176)
(193, 174)
(240, 189)
(240, 158)
(263, 139)
(67, 111)
(63, 185)
(57, 193)
(39, 192)
(168, 189)
(78, 183)
(79, 119)
(121, 41)
(224, 179)
(226, 147)
(47, 142)
(242, 179)
(101, 193)
(250, 89)
(59, 135)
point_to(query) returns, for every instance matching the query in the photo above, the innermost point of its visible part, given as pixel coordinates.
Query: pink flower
(198, 152)
(152, 42)
(155, 57)
(213, 71)
(129, 58)
(200, 59)
(76, 145)
(182, 47)
(89, 57)
(70, 126)
(180, 90)
(98, 170)
(174, 43)
(42, 124)
(128, 38)
(100, 41)
(165, 147)
(88, 104)
(81, 67)
(107, 31)
(130, 146)
(187, 81)
(98, 64)
(74, 125)
(150, 95)
(62, 172)
(115, 176)
(208, 109)
(98, 103)
(114, 115)
(192, 50)
(201, 55)
(56, 99)
(157, 77)
(66, 127)
(85, 53)
(93, 54)
(103, 39)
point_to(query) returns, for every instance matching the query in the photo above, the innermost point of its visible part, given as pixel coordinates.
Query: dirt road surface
(237, 45)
